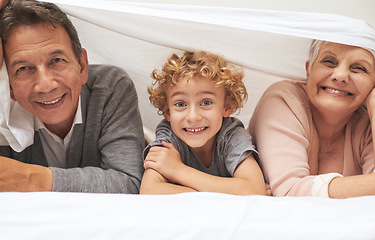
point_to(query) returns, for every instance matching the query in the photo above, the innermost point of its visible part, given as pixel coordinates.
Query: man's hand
(165, 160)
(16, 176)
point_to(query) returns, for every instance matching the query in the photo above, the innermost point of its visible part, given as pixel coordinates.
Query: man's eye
(22, 69)
(180, 104)
(57, 60)
(206, 103)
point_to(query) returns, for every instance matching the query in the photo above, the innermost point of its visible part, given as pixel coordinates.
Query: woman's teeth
(336, 91)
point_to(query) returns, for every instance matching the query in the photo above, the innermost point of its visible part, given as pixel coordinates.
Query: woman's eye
(358, 69)
(206, 103)
(180, 104)
(329, 62)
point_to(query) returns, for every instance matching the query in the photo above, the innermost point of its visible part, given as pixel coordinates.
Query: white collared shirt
(54, 147)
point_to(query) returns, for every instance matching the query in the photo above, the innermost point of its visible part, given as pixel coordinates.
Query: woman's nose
(340, 74)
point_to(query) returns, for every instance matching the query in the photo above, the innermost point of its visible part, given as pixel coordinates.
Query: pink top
(282, 130)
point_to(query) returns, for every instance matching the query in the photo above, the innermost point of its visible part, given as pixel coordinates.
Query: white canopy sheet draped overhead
(269, 45)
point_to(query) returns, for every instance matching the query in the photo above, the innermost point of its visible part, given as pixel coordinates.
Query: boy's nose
(194, 114)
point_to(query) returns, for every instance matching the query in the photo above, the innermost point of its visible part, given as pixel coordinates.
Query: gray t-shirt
(233, 145)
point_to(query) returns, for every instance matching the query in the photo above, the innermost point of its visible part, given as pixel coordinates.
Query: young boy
(198, 147)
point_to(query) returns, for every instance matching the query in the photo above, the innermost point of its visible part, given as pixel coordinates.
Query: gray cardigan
(105, 152)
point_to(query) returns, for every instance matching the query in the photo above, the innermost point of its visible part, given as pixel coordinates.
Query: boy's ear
(228, 108)
(166, 113)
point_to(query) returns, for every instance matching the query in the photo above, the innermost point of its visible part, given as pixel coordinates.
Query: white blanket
(183, 216)
(270, 45)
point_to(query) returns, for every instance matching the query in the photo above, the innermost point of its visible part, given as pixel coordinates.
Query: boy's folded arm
(154, 183)
(250, 173)
(247, 180)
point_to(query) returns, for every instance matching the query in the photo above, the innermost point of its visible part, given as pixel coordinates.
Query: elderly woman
(314, 138)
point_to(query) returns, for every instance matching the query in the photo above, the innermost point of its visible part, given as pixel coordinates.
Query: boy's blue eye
(206, 103)
(180, 104)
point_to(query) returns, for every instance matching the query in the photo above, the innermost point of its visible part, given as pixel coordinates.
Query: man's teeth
(53, 101)
(195, 129)
(336, 91)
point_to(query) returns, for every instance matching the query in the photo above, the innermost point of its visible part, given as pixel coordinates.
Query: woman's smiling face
(340, 78)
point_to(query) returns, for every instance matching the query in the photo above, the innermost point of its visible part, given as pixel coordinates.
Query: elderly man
(88, 131)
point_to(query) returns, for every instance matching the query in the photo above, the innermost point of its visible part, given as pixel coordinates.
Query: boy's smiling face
(196, 108)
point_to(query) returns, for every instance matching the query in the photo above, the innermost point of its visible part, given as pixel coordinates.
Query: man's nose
(45, 81)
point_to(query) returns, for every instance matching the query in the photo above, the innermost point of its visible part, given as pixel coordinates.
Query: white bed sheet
(183, 216)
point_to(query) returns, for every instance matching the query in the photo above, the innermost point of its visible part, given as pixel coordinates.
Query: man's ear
(12, 94)
(84, 63)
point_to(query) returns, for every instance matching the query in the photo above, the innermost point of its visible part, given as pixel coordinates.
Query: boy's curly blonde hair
(192, 64)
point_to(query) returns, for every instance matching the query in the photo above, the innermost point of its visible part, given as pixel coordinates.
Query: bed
(183, 216)
(269, 46)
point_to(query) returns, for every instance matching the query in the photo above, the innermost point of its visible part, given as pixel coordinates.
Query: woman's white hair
(315, 47)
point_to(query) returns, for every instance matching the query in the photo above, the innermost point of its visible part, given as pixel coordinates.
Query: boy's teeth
(52, 102)
(195, 129)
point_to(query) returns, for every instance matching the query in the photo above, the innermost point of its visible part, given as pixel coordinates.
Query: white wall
(362, 9)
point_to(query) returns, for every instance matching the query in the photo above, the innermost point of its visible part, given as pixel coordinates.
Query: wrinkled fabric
(269, 45)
